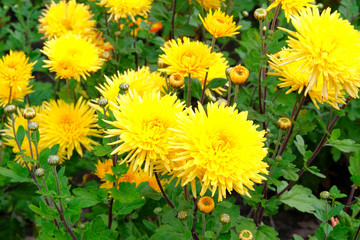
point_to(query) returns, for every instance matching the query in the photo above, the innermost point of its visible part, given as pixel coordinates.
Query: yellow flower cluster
(125, 8)
(209, 4)
(291, 7)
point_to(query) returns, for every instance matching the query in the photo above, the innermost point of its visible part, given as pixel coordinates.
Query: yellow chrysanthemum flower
(72, 56)
(209, 4)
(143, 127)
(15, 73)
(9, 138)
(141, 81)
(125, 8)
(63, 17)
(291, 6)
(184, 57)
(298, 80)
(330, 47)
(221, 148)
(216, 70)
(219, 24)
(68, 125)
(137, 177)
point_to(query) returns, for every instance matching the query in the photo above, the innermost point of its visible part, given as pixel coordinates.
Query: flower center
(220, 20)
(188, 59)
(155, 130)
(70, 128)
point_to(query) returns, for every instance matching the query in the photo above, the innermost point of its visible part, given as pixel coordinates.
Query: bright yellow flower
(209, 4)
(184, 57)
(221, 148)
(141, 81)
(291, 6)
(15, 75)
(9, 138)
(103, 168)
(143, 127)
(331, 49)
(298, 80)
(219, 24)
(69, 125)
(63, 17)
(72, 56)
(125, 8)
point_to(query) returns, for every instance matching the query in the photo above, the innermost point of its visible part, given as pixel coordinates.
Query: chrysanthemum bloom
(298, 80)
(9, 139)
(209, 4)
(15, 75)
(216, 70)
(103, 168)
(184, 57)
(330, 48)
(141, 81)
(284, 123)
(176, 80)
(239, 74)
(125, 8)
(206, 204)
(291, 6)
(219, 24)
(72, 56)
(63, 17)
(69, 125)
(143, 127)
(246, 235)
(221, 148)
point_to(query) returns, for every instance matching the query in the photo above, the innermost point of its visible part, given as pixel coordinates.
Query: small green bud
(157, 210)
(102, 102)
(325, 195)
(124, 86)
(182, 215)
(260, 14)
(320, 6)
(33, 126)
(29, 113)
(10, 109)
(224, 219)
(81, 226)
(279, 158)
(117, 33)
(40, 172)
(245, 13)
(53, 160)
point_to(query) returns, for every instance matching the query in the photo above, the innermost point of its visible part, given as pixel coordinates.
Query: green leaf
(300, 198)
(126, 193)
(44, 210)
(266, 233)
(43, 155)
(110, 178)
(315, 171)
(210, 234)
(20, 134)
(216, 82)
(290, 172)
(29, 159)
(345, 145)
(335, 134)
(101, 150)
(119, 170)
(297, 237)
(354, 167)
(335, 193)
(55, 149)
(127, 208)
(16, 172)
(300, 145)
(356, 180)
(335, 210)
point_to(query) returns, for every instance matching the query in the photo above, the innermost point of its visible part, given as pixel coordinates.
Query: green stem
(236, 92)
(58, 188)
(218, 232)
(68, 88)
(36, 147)
(203, 224)
(277, 144)
(229, 92)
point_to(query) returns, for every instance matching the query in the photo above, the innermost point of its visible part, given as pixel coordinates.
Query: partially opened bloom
(209, 4)
(143, 127)
(69, 125)
(125, 8)
(63, 17)
(291, 76)
(72, 56)
(219, 24)
(290, 6)
(141, 81)
(330, 48)
(221, 148)
(184, 57)
(15, 75)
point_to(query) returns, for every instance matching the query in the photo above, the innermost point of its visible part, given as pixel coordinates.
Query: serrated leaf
(44, 211)
(101, 150)
(314, 170)
(335, 210)
(110, 178)
(54, 149)
(20, 134)
(300, 145)
(354, 167)
(290, 172)
(300, 198)
(345, 145)
(126, 193)
(266, 233)
(210, 234)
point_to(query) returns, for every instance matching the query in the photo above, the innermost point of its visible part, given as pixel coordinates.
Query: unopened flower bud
(245, 235)
(81, 226)
(279, 158)
(176, 80)
(264, 28)
(245, 13)
(10, 109)
(102, 102)
(40, 172)
(270, 32)
(33, 126)
(325, 195)
(206, 204)
(239, 74)
(106, 55)
(53, 160)
(124, 86)
(117, 33)
(161, 64)
(260, 14)
(284, 123)
(29, 113)
(224, 219)
(320, 6)
(182, 215)
(157, 210)
(222, 101)
(227, 71)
